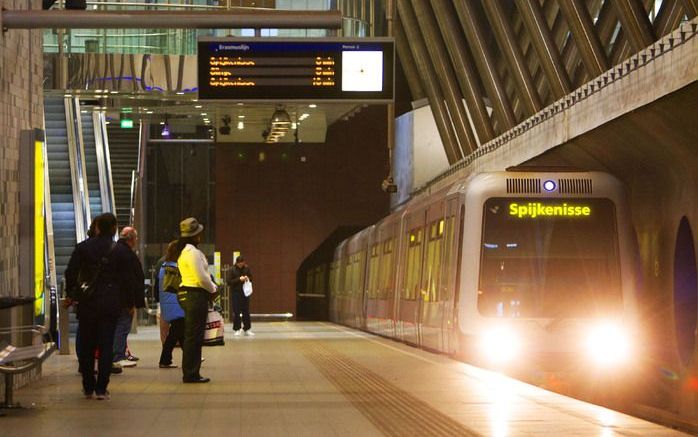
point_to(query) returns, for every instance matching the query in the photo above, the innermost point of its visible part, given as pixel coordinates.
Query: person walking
(194, 294)
(236, 278)
(132, 298)
(97, 279)
(169, 280)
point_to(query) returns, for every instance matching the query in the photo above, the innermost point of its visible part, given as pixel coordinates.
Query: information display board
(274, 69)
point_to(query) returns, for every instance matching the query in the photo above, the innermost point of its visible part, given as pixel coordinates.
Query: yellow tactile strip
(392, 410)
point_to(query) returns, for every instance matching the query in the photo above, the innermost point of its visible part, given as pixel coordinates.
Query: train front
(548, 279)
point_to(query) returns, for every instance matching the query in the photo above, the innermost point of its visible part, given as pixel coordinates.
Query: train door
(450, 284)
(410, 293)
(432, 307)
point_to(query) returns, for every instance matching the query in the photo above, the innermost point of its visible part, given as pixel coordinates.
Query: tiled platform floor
(307, 379)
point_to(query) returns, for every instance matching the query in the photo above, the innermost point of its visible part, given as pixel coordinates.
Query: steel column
(636, 25)
(548, 54)
(691, 8)
(512, 52)
(224, 19)
(463, 65)
(445, 75)
(585, 36)
(414, 82)
(503, 112)
(436, 98)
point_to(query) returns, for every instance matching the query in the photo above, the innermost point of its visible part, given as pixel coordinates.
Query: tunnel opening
(685, 291)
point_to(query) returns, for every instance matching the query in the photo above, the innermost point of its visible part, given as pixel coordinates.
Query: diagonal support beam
(512, 52)
(691, 8)
(585, 37)
(472, 26)
(426, 70)
(464, 67)
(543, 44)
(414, 83)
(636, 25)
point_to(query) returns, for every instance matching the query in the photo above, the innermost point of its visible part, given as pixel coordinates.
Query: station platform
(307, 379)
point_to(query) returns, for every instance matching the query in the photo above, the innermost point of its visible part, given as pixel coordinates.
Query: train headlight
(500, 345)
(608, 344)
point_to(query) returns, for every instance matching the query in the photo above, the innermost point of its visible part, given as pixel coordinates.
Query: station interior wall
(275, 203)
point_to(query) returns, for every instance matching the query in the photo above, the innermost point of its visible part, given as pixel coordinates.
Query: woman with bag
(240, 278)
(170, 310)
(195, 291)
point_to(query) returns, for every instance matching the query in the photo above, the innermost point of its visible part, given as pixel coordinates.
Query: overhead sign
(318, 69)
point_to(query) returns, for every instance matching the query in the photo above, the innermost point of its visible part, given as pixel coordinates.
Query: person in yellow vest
(196, 290)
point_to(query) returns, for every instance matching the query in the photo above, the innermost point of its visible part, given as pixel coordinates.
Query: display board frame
(367, 56)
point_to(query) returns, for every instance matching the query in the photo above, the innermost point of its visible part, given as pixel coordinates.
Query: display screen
(266, 69)
(554, 258)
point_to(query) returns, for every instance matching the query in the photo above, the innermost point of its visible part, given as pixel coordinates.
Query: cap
(190, 227)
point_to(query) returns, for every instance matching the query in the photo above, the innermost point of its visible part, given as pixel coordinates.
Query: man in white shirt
(195, 292)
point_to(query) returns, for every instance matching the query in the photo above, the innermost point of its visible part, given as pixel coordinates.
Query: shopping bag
(213, 335)
(247, 288)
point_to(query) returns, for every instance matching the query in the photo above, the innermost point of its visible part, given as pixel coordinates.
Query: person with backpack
(168, 282)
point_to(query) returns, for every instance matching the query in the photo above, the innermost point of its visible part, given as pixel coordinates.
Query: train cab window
(414, 263)
(549, 258)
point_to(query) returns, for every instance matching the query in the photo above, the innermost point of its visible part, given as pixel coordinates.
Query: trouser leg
(237, 309)
(195, 311)
(88, 343)
(123, 327)
(246, 322)
(175, 333)
(105, 329)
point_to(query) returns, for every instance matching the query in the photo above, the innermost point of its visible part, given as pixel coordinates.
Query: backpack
(171, 279)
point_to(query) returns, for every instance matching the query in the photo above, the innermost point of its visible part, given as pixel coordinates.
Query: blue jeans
(123, 327)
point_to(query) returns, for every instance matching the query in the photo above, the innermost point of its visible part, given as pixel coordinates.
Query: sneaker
(249, 333)
(168, 366)
(88, 395)
(103, 396)
(127, 363)
(116, 369)
(132, 358)
(237, 333)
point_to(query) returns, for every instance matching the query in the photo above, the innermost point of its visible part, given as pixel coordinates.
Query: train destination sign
(274, 69)
(537, 209)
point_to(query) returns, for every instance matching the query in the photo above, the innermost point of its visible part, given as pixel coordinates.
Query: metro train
(531, 272)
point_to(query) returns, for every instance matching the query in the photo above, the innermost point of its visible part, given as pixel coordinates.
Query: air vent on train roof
(523, 185)
(575, 186)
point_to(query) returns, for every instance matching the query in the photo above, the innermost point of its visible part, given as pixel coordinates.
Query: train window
(432, 267)
(549, 258)
(449, 263)
(414, 263)
(387, 269)
(373, 272)
(319, 284)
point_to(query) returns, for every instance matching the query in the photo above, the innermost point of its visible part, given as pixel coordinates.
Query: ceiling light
(241, 116)
(198, 106)
(280, 117)
(241, 125)
(312, 105)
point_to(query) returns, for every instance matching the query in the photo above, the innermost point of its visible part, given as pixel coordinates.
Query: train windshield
(549, 258)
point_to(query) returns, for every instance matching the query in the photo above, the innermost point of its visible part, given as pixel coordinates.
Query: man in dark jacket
(132, 296)
(103, 264)
(236, 277)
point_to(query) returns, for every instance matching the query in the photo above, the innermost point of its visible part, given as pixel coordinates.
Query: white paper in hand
(247, 288)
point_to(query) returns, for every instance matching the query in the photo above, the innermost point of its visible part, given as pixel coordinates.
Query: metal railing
(359, 18)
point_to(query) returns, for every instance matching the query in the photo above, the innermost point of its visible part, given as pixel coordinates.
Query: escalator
(62, 200)
(123, 149)
(91, 164)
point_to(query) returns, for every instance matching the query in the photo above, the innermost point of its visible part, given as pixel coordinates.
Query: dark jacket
(233, 277)
(136, 296)
(116, 283)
